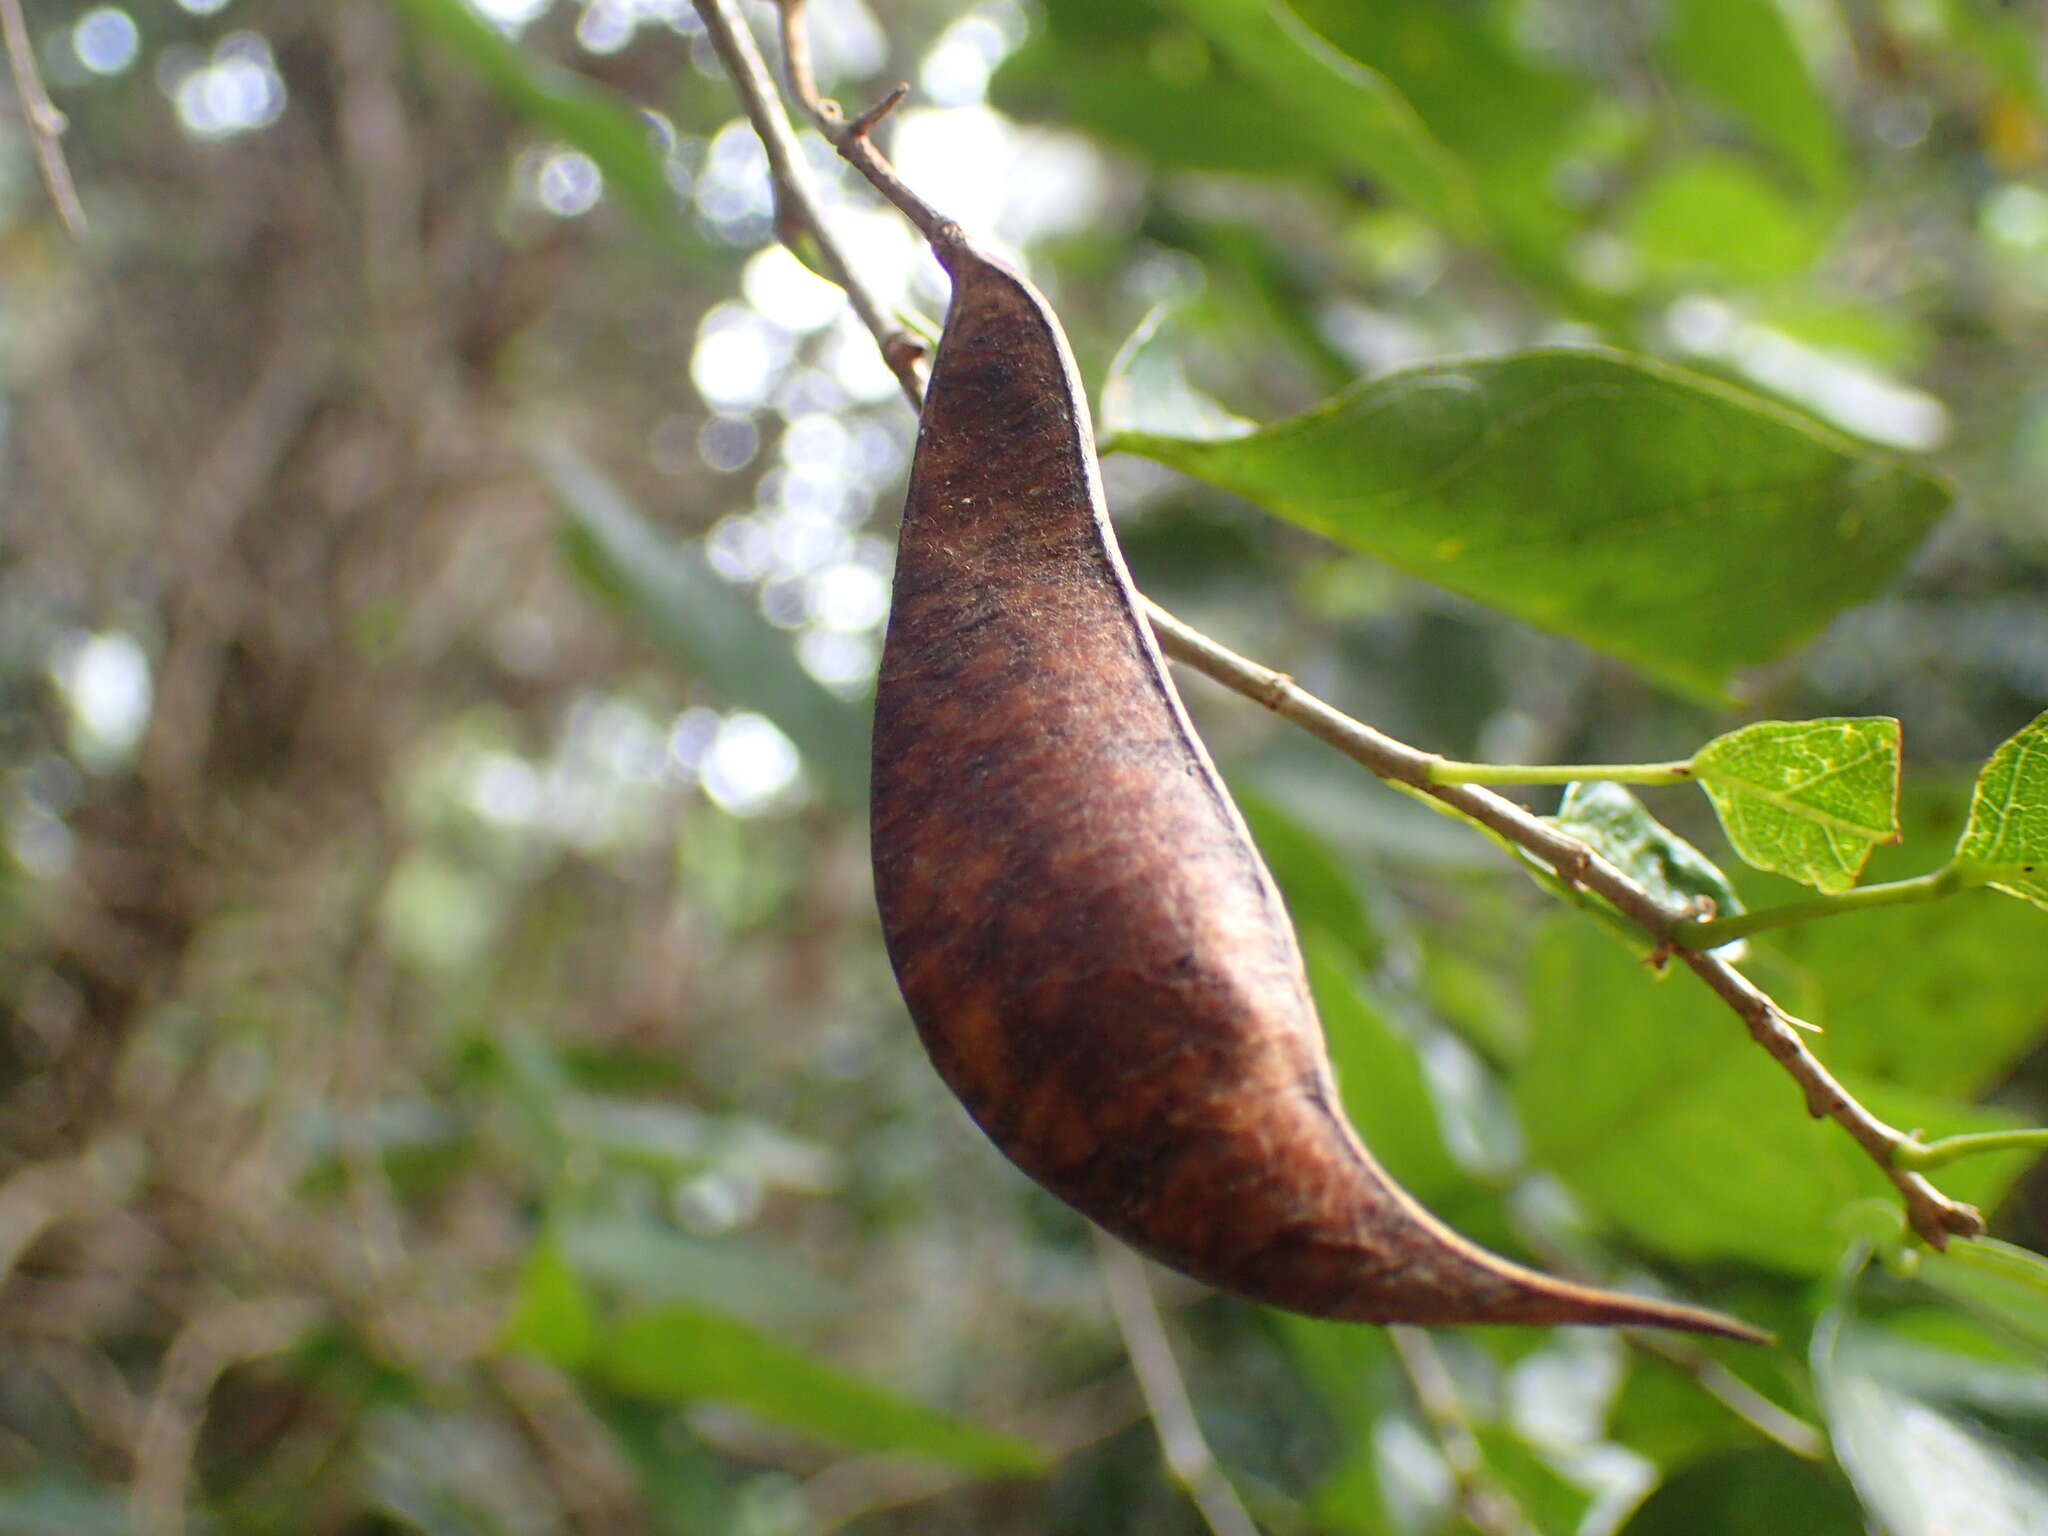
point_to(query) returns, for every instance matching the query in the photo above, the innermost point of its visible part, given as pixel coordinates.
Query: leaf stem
(1710, 933)
(1949, 1149)
(1445, 771)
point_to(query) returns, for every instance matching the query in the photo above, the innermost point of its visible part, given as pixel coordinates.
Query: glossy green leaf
(1610, 820)
(1652, 1103)
(707, 623)
(2005, 844)
(1354, 110)
(1807, 799)
(1905, 1421)
(1677, 523)
(684, 1354)
(1742, 55)
(606, 126)
(551, 1315)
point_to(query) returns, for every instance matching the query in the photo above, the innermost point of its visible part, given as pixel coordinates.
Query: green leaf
(1380, 1078)
(551, 1316)
(704, 621)
(1354, 110)
(1611, 821)
(1652, 1103)
(1153, 83)
(1997, 1280)
(1146, 391)
(1551, 1500)
(1320, 891)
(1350, 1370)
(2005, 843)
(1807, 799)
(1672, 521)
(1508, 118)
(650, 1263)
(684, 1354)
(1748, 1494)
(605, 125)
(1711, 216)
(1741, 54)
(1905, 1420)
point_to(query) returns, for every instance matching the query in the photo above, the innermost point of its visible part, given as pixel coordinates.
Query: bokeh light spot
(749, 765)
(788, 292)
(106, 40)
(568, 183)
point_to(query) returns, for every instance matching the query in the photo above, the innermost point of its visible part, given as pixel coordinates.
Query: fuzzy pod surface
(1093, 952)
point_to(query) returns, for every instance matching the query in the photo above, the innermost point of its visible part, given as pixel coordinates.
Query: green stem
(1444, 771)
(1922, 1155)
(1697, 933)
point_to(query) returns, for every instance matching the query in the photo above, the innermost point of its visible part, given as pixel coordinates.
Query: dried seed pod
(1092, 949)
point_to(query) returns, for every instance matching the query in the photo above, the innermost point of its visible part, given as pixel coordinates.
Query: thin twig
(1733, 1393)
(1485, 1506)
(1934, 1216)
(45, 123)
(1181, 1440)
(797, 211)
(852, 139)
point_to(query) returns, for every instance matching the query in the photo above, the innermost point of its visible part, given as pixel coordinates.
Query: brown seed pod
(1092, 949)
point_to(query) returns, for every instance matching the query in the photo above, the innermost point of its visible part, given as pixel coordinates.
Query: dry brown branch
(45, 123)
(1933, 1215)
(797, 211)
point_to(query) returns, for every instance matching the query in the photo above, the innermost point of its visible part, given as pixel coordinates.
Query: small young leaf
(552, 1316)
(2005, 844)
(1808, 799)
(685, 1354)
(1672, 521)
(1615, 825)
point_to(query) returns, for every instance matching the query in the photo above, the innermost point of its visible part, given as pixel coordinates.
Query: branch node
(866, 123)
(901, 350)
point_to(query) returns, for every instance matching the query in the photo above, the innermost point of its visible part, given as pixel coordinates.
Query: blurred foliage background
(450, 1080)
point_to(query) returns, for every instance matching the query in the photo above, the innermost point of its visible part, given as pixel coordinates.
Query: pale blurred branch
(45, 123)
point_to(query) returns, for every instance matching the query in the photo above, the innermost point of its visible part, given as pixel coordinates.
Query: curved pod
(1094, 954)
